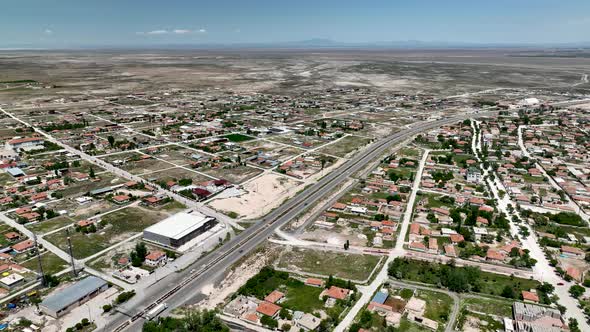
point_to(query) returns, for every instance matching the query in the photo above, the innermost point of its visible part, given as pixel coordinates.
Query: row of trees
(202, 321)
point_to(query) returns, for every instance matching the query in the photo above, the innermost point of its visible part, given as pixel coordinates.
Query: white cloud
(157, 32)
(175, 31)
(48, 32)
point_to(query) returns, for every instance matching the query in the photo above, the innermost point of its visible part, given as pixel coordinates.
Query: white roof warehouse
(178, 229)
(70, 297)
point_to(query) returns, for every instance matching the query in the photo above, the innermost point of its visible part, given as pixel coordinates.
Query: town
(339, 208)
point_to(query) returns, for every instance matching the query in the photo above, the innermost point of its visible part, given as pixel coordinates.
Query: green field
(50, 225)
(120, 225)
(344, 266)
(533, 179)
(302, 298)
(496, 307)
(459, 279)
(238, 137)
(438, 305)
(344, 146)
(51, 263)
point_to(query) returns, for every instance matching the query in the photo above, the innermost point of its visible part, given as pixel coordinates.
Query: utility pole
(40, 266)
(71, 255)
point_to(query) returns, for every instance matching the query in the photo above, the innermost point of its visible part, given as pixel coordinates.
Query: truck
(156, 311)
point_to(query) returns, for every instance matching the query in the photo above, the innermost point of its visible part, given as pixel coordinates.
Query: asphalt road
(180, 288)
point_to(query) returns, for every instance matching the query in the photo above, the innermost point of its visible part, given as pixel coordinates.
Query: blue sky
(62, 23)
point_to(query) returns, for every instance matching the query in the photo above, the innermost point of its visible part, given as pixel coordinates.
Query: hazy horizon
(67, 24)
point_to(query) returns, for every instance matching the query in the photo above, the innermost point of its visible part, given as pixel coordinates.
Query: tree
(285, 314)
(111, 140)
(266, 321)
(91, 173)
(576, 291)
(205, 321)
(508, 292)
(573, 325)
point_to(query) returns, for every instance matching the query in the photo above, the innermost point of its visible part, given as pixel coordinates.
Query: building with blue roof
(60, 303)
(380, 297)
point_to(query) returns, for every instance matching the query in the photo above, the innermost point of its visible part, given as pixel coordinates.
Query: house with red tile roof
(530, 297)
(121, 199)
(433, 245)
(336, 293)
(23, 246)
(495, 256)
(33, 216)
(419, 246)
(84, 223)
(450, 250)
(456, 238)
(274, 296)
(268, 309)
(155, 258)
(314, 282)
(339, 206)
(11, 236)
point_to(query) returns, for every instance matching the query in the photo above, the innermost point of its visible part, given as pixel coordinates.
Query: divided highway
(207, 269)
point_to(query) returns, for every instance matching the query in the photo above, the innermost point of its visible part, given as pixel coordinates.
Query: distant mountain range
(316, 43)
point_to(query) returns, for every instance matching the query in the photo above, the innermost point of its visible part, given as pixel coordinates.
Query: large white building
(178, 229)
(27, 143)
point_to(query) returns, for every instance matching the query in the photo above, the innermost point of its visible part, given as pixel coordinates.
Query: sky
(69, 23)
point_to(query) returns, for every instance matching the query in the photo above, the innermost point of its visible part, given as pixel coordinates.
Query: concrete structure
(178, 229)
(60, 303)
(474, 175)
(530, 317)
(11, 281)
(308, 322)
(26, 143)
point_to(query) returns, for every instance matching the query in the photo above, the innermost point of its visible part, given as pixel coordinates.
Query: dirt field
(263, 194)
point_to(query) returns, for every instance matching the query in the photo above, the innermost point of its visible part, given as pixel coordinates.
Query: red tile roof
(314, 282)
(267, 308)
(337, 293)
(24, 245)
(155, 255)
(274, 296)
(530, 296)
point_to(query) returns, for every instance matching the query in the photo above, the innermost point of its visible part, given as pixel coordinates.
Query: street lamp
(89, 313)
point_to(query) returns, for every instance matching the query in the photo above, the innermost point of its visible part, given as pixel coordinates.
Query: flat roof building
(60, 303)
(178, 229)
